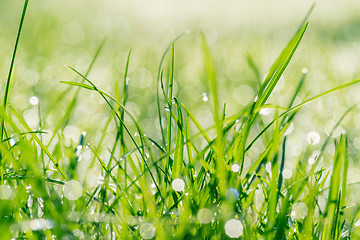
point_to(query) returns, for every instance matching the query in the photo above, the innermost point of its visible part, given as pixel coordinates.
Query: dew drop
(34, 100)
(167, 108)
(265, 111)
(178, 185)
(127, 81)
(5, 192)
(136, 134)
(72, 190)
(313, 137)
(268, 167)
(78, 150)
(100, 180)
(12, 141)
(205, 98)
(234, 228)
(204, 215)
(147, 231)
(40, 224)
(299, 211)
(232, 194)
(289, 130)
(304, 70)
(133, 220)
(235, 168)
(357, 223)
(79, 234)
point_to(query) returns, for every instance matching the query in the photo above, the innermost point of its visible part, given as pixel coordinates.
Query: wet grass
(224, 181)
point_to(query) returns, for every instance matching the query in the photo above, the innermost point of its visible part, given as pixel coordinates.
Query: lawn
(182, 121)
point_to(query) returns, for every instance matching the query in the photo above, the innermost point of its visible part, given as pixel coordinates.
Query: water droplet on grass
(265, 111)
(147, 231)
(304, 70)
(234, 228)
(79, 234)
(235, 168)
(299, 211)
(12, 141)
(232, 194)
(133, 220)
(5, 192)
(204, 215)
(100, 180)
(311, 160)
(268, 167)
(167, 108)
(40, 224)
(78, 151)
(313, 137)
(34, 100)
(205, 98)
(72, 190)
(178, 185)
(357, 223)
(289, 130)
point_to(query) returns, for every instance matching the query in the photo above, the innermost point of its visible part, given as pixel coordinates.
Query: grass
(224, 181)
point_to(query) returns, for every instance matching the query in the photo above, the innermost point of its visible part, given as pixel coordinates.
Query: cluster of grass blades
(173, 187)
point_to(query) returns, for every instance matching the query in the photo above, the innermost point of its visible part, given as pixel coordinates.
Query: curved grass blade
(102, 94)
(7, 88)
(43, 147)
(170, 95)
(298, 106)
(159, 80)
(332, 208)
(72, 104)
(219, 146)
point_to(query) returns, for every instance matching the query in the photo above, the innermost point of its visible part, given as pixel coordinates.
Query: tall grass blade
(43, 147)
(7, 88)
(219, 147)
(332, 210)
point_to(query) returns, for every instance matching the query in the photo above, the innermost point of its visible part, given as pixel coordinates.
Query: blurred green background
(59, 33)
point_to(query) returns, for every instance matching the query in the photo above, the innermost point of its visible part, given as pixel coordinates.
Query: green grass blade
(7, 88)
(104, 96)
(274, 180)
(298, 106)
(254, 68)
(65, 119)
(43, 147)
(334, 193)
(280, 66)
(125, 98)
(343, 194)
(179, 148)
(169, 105)
(159, 81)
(219, 148)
